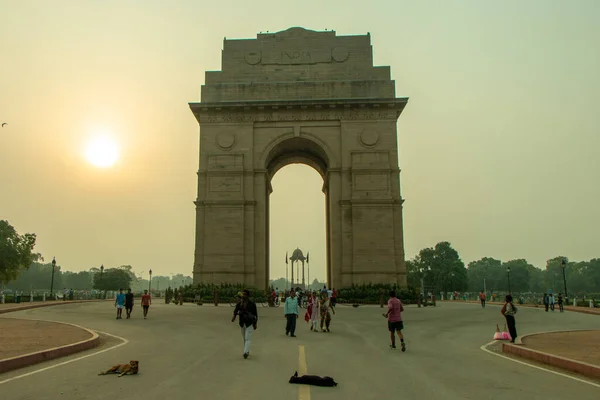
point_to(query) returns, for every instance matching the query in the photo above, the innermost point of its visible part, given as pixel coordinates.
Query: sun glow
(102, 151)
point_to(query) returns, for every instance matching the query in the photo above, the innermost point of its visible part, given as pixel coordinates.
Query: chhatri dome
(297, 255)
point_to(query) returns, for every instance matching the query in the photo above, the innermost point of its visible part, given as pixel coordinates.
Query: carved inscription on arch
(297, 56)
(371, 182)
(309, 116)
(226, 183)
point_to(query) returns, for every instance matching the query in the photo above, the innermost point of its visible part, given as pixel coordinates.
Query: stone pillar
(334, 184)
(199, 249)
(260, 278)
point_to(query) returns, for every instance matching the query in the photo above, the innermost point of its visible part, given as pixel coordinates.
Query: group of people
(550, 301)
(126, 300)
(320, 308)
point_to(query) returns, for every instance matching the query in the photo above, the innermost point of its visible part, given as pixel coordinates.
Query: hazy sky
(498, 144)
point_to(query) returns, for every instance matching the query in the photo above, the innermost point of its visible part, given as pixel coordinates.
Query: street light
(52, 283)
(150, 281)
(508, 275)
(101, 271)
(563, 264)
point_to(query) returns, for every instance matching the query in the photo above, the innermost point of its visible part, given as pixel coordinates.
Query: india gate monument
(299, 96)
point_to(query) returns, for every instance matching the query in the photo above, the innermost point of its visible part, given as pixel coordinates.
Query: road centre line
(303, 390)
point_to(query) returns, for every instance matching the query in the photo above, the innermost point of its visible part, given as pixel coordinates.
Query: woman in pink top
(394, 317)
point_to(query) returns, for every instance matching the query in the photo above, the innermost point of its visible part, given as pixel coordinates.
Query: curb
(580, 367)
(16, 362)
(583, 310)
(31, 306)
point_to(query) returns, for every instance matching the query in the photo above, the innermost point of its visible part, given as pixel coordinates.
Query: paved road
(192, 352)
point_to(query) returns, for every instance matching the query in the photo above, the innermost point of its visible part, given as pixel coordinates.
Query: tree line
(436, 269)
(24, 270)
(440, 269)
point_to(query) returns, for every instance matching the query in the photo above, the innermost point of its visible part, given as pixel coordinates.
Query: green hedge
(359, 294)
(371, 294)
(226, 292)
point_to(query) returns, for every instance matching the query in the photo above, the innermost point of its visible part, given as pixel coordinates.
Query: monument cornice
(299, 110)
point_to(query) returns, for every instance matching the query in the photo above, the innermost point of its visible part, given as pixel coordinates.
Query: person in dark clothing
(509, 310)
(482, 298)
(246, 310)
(128, 303)
(546, 301)
(560, 301)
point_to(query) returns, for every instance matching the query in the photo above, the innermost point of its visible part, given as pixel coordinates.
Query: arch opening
(297, 220)
(297, 150)
(301, 213)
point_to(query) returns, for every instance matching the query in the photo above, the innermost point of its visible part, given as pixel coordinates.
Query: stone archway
(309, 97)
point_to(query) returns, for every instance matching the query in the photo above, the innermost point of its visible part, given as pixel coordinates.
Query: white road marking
(484, 348)
(123, 342)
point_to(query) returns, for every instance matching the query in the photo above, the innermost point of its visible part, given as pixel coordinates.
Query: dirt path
(20, 337)
(580, 346)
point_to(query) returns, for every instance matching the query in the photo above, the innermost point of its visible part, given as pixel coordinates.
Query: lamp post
(150, 281)
(508, 276)
(563, 264)
(52, 282)
(101, 272)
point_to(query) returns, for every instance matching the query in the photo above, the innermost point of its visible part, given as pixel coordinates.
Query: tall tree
(485, 271)
(112, 279)
(519, 275)
(16, 251)
(440, 267)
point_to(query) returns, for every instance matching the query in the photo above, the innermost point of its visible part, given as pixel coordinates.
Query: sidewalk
(577, 351)
(28, 342)
(11, 307)
(19, 336)
(585, 310)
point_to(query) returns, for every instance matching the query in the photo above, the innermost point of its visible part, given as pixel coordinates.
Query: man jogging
(394, 316)
(248, 313)
(146, 301)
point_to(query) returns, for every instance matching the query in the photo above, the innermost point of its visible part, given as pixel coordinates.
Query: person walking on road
(551, 301)
(290, 310)
(482, 298)
(394, 317)
(120, 303)
(546, 301)
(246, 310)
(146, 301)
(509, 310)
(325, 310)
(312, 312)
(560, 303)
(128, 303)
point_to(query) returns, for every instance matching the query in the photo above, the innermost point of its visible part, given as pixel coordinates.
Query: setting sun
(102, 152)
